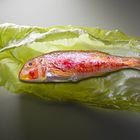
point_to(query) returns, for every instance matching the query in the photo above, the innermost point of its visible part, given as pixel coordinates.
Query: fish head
(33, 71)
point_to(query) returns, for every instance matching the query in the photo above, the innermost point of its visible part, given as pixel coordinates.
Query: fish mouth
(26, 78)
(23, 77)
(28, 75)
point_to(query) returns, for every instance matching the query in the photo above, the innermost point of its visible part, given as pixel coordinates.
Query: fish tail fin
(135, 64)
(137, 67)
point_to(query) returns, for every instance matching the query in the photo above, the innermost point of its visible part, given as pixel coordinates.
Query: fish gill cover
(118, 90)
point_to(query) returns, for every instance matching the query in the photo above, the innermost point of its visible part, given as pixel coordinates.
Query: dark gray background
(28, 118)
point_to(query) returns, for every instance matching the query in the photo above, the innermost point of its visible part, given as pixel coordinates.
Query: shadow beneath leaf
(41, 119)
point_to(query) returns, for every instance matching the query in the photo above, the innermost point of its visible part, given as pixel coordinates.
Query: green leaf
(118, 90)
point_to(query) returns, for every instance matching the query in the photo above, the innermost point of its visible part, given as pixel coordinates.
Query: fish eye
(30, 63)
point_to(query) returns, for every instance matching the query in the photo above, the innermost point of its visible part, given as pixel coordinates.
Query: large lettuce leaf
(119, 90)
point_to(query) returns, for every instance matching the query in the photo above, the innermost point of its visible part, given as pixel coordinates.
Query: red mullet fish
(71, 66)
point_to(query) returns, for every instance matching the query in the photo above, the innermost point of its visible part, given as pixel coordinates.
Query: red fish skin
(74, 65)
(84, 62)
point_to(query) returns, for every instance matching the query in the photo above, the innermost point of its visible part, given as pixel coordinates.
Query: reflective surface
(24, 117)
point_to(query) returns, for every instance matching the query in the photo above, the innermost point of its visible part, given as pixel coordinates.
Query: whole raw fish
(66, 66)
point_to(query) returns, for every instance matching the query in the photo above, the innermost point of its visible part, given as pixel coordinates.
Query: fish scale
(71, 66)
